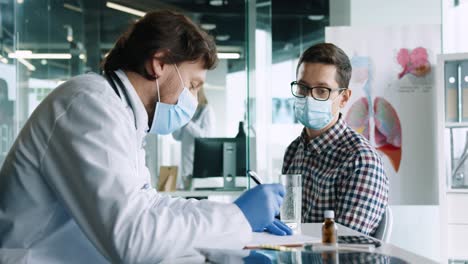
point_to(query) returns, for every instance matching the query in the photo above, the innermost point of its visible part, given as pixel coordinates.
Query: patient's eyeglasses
(319, 93)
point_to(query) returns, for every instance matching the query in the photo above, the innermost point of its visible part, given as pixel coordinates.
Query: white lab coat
(201, 125)
(74, 188)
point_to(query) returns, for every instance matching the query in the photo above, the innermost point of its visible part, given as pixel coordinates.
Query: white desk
(204, 193)
(217, 196)
(315, 230)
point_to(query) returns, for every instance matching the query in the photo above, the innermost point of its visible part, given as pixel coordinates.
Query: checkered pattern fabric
(358, 240)
(342, 172)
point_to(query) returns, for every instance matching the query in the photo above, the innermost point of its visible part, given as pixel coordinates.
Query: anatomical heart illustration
(374, 117)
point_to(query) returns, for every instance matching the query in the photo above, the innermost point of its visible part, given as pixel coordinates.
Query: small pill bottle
(329, 228)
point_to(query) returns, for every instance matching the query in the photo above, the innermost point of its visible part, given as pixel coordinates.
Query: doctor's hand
(260, 205)
(279, 228)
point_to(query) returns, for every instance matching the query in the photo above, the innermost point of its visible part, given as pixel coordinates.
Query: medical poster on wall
(392, 102)
(283, 111)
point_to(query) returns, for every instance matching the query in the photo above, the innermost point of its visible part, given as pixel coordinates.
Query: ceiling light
(125, 9)
(3, 59)
(228, 55)
(82, 56)
(315, 17)
(73, 8)
(23, 52)
(208, 26)
(69, 32)
(27, 54)
(216, 2)
(44, 62)
(27, 64)
(223, 37)
(20, 1)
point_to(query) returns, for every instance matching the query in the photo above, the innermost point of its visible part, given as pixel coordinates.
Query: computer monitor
(221, 158)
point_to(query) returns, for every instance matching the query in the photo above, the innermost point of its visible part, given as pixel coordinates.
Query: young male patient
(340, 169)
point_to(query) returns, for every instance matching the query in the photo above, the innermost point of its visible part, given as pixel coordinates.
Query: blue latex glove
(279, 228)
(257, 258)
(261, 204)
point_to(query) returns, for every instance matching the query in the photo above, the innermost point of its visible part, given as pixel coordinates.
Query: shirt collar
(327, 139)
(132, 98)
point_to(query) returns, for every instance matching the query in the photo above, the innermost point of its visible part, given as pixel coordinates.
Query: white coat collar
(141, 116)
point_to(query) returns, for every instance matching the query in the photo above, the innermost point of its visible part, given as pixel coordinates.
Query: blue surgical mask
(167, 117)
(313, 114)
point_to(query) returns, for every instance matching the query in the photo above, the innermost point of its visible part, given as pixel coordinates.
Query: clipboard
(167, 178)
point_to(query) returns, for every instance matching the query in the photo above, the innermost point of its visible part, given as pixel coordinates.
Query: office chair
(384, 230)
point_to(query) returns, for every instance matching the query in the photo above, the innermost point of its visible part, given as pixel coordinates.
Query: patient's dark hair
(328, 53)
(171, 33)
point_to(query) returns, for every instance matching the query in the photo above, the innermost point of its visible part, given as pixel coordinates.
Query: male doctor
(74, 188)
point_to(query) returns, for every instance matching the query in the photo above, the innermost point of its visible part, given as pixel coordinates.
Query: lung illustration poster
(392, 86)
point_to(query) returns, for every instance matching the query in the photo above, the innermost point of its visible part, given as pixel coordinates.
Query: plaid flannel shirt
(342, 172)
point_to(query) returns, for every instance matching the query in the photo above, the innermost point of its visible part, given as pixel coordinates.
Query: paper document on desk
(269, 239)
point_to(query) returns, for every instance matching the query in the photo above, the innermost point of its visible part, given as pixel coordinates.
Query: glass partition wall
(46, 42)
(8, 79)
(281, 31)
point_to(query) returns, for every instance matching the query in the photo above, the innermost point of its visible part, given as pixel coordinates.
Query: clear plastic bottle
(329, 228)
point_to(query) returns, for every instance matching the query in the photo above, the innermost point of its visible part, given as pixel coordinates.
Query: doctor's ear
(157, 64)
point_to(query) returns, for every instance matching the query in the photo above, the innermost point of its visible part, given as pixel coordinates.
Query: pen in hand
(256, 179)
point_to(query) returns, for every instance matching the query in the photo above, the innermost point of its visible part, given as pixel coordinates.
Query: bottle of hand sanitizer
(329, 228)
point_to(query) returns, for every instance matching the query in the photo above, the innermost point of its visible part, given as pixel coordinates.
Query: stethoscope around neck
(116, 83)
(114, 80)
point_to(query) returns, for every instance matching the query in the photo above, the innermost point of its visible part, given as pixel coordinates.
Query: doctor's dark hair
(330, 54)
(171, 33)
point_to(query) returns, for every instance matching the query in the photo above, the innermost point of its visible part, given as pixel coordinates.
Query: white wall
(395, 12)
(416, 228)
(235, 107)
(454, 28)
(281, 134)
(215, 90)
(385, 13)
(227, 94)
(340, 12)
(216, 99)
